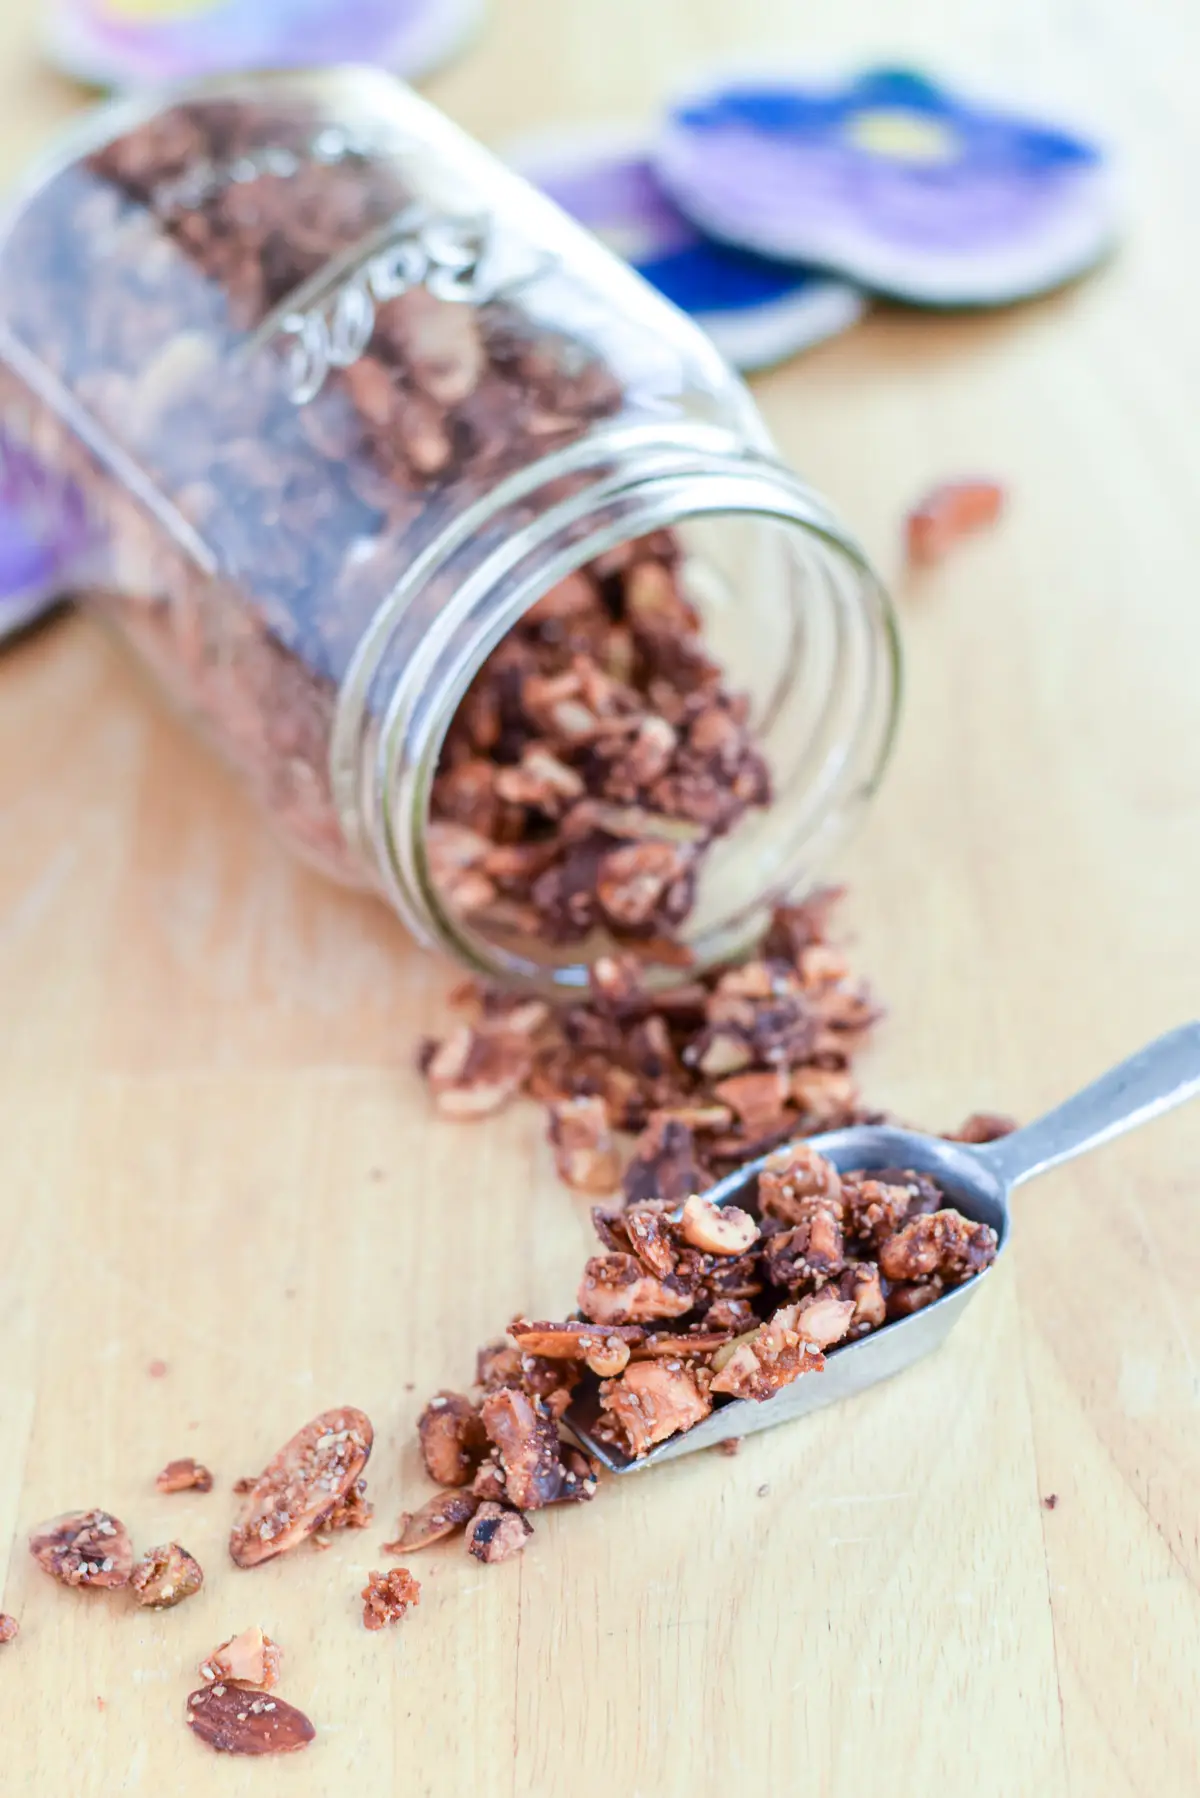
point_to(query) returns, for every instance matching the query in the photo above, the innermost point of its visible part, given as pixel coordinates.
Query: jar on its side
(348, 406)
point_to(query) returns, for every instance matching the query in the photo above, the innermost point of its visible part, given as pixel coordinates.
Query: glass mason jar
(346, 404)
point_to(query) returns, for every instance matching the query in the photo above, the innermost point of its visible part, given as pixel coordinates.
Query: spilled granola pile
(705, 1075)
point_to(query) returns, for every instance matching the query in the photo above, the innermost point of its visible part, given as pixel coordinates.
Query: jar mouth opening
(738, 490)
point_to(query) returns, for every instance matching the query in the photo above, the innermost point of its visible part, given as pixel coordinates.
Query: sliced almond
(717, 1229)
(301, 1484)
(438, 1517)
(232, 1720)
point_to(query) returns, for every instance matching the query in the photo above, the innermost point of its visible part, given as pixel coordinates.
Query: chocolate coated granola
(686, 1307)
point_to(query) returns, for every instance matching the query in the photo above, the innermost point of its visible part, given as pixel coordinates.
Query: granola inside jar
(464, 547)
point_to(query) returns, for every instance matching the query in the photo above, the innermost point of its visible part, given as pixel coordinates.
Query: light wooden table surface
(213, 1148)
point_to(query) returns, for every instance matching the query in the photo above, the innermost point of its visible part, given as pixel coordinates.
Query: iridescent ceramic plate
(757, 310)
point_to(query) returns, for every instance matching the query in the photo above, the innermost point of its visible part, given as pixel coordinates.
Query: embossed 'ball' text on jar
(345, 402)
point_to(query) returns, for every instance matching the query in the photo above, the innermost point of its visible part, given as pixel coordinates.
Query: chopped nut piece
(9, 1628)
(475, 1072)
(718, 1230)
(496, 1364)
(655, 1399)
(497, 1533)
(488, 1485)
(757, 1099)
(651, 1236)
(301, 1484)
(387, 1596)
(452, 1438)
(185, 1475)
(823, 1318)
(230, 1720)
(940, 1242)
(584, 1151)
(729, 1314)
(84, 1548)
(861, 1283)
(605, 1351)
(875, 1209)
(439, 1516)
(166, 1576)
(634, 885)
(777, 1354)
(792, 1178)
(526, 1442)
(617, 1290)
(950, 511)
(824, 1095)
(905, 1298)
(580, 1476)
(248, 1659)
(814, 1250)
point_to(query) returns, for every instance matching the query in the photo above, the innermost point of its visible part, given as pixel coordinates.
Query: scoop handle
(1158, 1077)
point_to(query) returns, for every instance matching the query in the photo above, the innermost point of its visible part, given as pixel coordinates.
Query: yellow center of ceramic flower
(153, 12)
(902, 136)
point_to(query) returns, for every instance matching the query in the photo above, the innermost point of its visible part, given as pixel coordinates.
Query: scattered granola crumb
(166, 1576)
(947, 512)
(301, 1485)
(9, 1628)
(707, 1075)
(247, 1483)
(732, 1445)
(387, 1596)
(84, 1548)
(157, 1369)
(1050, 1500)
(99, 1702)
(497, 1533)
(249, 1659)
(232, 1721)
(185, 1475)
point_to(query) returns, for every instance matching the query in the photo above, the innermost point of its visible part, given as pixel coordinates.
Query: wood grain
(213, 1149)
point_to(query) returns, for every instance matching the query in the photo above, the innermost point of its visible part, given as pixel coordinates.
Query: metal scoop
(978, 1181)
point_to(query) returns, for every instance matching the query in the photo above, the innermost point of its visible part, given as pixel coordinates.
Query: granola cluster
(686, 1306)
(596, 757)
(500, 1454)
(387, 1596)
(165, 1576)
(184, 1475)
(707, 1075)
